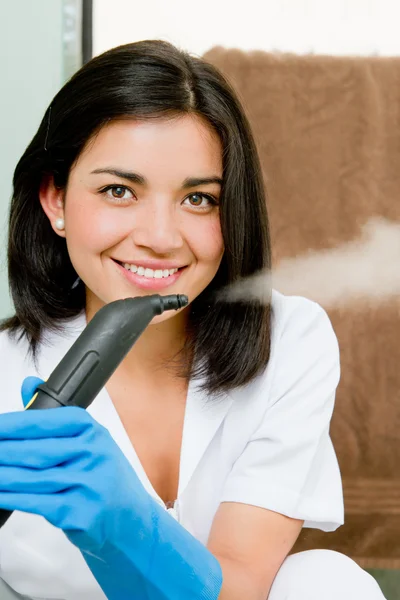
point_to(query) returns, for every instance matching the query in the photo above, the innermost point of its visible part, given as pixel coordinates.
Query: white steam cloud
(366, 269)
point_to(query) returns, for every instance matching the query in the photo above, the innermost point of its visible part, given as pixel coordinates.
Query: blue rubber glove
(63, 465)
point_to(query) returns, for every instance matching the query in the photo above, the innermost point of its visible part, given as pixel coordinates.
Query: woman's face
(141, 210)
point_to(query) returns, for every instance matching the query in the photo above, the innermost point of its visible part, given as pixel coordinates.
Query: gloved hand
(63, 465)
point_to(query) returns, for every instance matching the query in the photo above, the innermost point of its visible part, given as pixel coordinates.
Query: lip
(147, 283)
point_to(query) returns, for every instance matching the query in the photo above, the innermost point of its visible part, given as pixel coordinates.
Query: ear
(52, 201)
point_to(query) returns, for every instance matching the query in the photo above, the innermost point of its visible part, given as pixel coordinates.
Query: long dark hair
(147, 79)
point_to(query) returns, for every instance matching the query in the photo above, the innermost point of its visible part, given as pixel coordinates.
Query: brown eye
(199, 200)
(118, 192)
(196, 199)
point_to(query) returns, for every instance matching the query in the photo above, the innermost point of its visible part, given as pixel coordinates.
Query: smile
(151, 273)
(147, 278)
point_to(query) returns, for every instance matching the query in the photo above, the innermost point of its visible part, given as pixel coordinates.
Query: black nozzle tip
(174, 301)
(182, 300)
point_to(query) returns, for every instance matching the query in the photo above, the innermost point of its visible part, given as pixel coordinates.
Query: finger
(58, 509)
(30, 481)
(29, 387)
(37, 424)
(42, 453)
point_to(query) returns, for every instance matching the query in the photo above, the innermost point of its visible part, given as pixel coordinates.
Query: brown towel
(328, 132)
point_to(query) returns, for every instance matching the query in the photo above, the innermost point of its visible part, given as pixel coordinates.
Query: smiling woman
(185, 136)
(195, 468)
(107, 224)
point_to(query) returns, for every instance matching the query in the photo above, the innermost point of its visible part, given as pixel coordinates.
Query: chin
(171, 315)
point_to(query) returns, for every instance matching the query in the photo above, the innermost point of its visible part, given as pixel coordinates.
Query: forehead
(184, 145)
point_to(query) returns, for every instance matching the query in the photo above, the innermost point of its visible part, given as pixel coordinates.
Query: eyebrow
(189, 182)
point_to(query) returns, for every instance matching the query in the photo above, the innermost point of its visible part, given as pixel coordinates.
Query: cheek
(92, 227)
(206, 240)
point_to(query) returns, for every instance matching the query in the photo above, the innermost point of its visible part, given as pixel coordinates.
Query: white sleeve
(289, 465)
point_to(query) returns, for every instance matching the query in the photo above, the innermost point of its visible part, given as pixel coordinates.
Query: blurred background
(320, 80)
(45, 41)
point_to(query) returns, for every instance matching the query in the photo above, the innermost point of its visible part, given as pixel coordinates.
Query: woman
(193, 472)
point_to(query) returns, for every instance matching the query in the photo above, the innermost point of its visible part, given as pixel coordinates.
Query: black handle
(95, 355)
(4, 514)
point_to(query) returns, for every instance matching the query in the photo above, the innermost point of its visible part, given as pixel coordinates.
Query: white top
(265, 444)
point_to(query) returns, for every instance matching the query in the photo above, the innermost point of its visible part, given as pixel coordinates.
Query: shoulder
(301, 326)
(302, 337)
(295, 316)
(304, 352)
(54, 343)
(17, 362)
(11, 346)
(14, 362)
(304, 346)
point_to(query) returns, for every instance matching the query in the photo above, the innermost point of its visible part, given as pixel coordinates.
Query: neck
(158, 345)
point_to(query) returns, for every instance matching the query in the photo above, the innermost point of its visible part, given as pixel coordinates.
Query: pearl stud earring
(59, 223)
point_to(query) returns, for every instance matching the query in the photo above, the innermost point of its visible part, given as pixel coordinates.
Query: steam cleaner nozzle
(100, 348)
(174, 301)
(97, 352)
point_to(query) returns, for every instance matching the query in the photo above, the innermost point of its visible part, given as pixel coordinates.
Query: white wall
(31, 71)
(301, 26)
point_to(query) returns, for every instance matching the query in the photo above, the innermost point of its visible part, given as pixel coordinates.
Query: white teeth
(150, 273)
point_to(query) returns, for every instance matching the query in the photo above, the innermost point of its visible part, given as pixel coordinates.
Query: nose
(158, 229)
